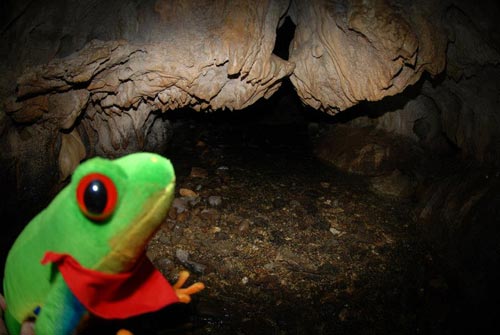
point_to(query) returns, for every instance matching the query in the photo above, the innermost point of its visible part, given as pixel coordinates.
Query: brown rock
(198, 172)
(366, 151)
(210, 215)
(362, 50)
(396, 185)
(186, 192)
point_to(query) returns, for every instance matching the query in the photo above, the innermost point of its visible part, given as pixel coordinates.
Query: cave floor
(284, 243)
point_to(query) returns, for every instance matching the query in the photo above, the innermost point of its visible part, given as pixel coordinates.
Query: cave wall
(353, 51)
(459, 109)
(95, 77)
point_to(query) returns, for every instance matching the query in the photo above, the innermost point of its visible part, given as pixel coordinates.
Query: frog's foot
(184, 294)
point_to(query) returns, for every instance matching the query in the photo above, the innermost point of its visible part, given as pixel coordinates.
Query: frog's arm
(184, 294)
(61, 311)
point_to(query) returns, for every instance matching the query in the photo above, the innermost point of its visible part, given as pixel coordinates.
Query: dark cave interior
(381, 219)
(268, 139)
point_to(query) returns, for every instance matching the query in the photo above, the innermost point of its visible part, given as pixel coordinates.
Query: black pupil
(95, 197)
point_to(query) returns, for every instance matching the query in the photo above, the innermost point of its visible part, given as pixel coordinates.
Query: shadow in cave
(389, 104)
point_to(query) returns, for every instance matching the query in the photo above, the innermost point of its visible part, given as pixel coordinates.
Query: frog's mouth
(129, 245)
(115, 296)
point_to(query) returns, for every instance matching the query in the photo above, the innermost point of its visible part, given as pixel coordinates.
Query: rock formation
(95, 78)
(111, 92)
(350, 51)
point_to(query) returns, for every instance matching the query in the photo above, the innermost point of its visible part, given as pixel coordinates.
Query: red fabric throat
(115, 296)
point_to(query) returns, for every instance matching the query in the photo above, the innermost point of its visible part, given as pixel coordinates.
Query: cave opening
(284, 37)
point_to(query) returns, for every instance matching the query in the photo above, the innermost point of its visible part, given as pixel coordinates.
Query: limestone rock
(350, 51)
(113, 89)
(419, 120)
(458, 113)
(366, 151)
(395, 184)
(72, 152)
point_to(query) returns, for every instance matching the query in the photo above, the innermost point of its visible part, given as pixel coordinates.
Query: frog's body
(103, 234)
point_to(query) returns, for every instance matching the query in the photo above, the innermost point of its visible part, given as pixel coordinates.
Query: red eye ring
(96, 196)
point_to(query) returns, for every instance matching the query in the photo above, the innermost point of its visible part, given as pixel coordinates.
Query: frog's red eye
(96, 195)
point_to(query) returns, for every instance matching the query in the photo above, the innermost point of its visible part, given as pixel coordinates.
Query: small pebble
(165, 239)
(221, 236)
(186, 192)
(198, 172)
(214, 200)
(196, 267)
(201, 144)
(244, 226)
(183, 258)
(182, 217)
(180, 205)
(172, 213)
(193, 201)
(215, 230)
(343, 315)
(165, 264)
(222, 171)
(269, 266)
(210, 215)
(182, 255)
(335, 232)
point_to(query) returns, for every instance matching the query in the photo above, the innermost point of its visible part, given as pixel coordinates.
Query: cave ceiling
(92, 77)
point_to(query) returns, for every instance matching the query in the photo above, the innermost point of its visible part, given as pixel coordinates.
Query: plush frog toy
(86, 251)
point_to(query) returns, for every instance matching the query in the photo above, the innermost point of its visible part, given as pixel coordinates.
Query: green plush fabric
(103, 221)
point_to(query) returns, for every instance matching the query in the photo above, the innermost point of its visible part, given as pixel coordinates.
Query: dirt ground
(284, 243)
